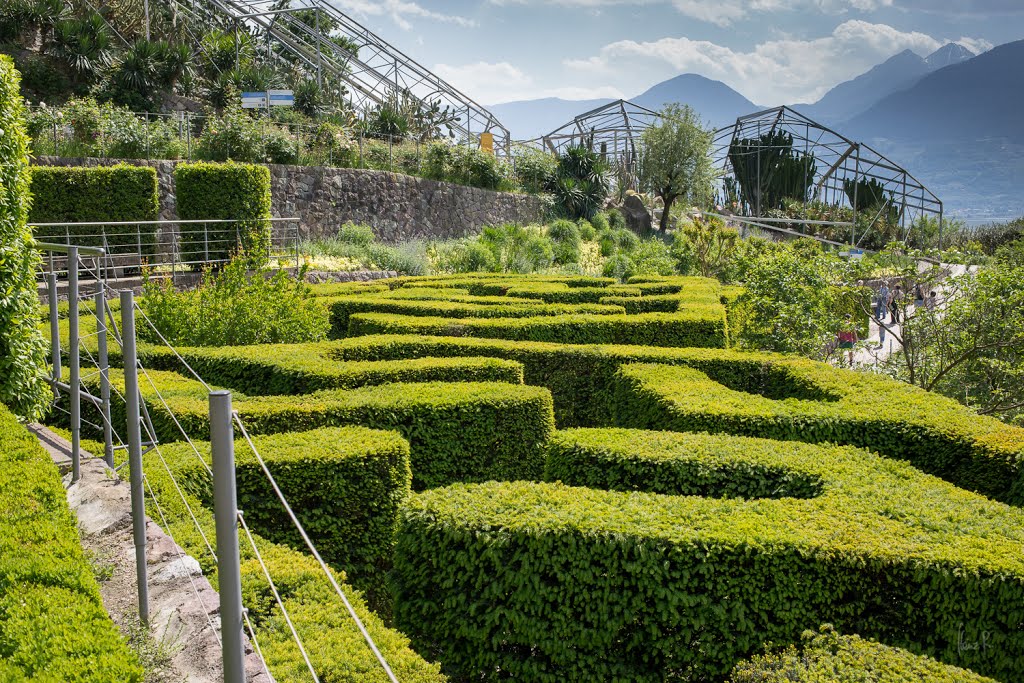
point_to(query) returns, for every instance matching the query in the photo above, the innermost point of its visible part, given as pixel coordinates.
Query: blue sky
(771, 51)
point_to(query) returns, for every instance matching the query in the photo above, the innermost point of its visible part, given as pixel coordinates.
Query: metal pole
(74, 369)
(51, 286)
(103, 360)
(225, 512)
(131, 395)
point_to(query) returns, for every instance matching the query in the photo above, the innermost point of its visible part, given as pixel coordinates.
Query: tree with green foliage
(970, 344)
(675, 159)
(23, 386)
(794, 301)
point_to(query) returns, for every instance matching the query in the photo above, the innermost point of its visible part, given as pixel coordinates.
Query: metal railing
(164, 247)
(141, 440)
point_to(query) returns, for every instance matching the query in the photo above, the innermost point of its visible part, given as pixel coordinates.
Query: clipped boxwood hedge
(23, 385)
(457, 432)
(332, 640)
(854, 410)
(342, 309)
(53, 626)
(276, 369)
(827, 657)
(345, 484)
(549, 582)
(102, 193)
(755, 393)
(693, 327)
(239, 192)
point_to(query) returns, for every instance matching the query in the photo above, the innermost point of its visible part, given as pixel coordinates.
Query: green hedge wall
(827, 657)
(342, 309)
(457, 432)
(693, 327)
(53, 626)
(334, 643)
(23, 384)
(583, 584)
(278, 369)
(102, 193)
(346, 485)
(675, 464)
(224, 191)
(650, 396)
(762, 394)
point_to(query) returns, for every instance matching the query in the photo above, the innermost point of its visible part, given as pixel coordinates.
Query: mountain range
(953, 119)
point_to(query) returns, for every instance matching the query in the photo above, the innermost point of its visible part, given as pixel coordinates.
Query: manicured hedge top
(696, 326)
(595, 585)
(274, 369)
(343, 307)
(52, 623)
(827, 657)
(802, 399)
(856, 408)
(458, 432)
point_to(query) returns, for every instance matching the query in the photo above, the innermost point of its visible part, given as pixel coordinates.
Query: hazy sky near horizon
(771, 51)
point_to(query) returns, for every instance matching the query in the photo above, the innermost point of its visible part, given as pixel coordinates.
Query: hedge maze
(563, 478)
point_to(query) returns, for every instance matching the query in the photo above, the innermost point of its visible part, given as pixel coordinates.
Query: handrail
(65, 248)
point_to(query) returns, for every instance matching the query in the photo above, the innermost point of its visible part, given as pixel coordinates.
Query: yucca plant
(580, 184)
(84, 45)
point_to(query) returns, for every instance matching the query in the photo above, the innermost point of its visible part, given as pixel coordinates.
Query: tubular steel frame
(378, 74)
(838, 159)
(613, 129)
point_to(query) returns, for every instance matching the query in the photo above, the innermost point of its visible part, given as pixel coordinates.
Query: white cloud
(725, 12)
(492, 83)
(770, 73)
(975, 45)
(399, 11)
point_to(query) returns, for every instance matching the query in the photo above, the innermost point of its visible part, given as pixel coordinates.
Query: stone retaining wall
(397, 207)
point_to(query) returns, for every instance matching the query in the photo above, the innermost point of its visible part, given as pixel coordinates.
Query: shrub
(638, 586)
(695, 326)
(234, 135)
(457, 432)
(827, 656)
(52, 622)
(342, 309)
(238, 192)
(535, 169)
(233, 307)
(813, 403)
(23, 384)
(345, 484)
(304, 368)
(334, 643)
(104, 193)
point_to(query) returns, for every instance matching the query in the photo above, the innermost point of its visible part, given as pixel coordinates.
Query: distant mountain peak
(947, 55)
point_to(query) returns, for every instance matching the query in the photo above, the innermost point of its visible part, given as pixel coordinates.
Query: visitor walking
(933, 300)
(847, 339)
(895, 303)
(918, 296)
(882, 302)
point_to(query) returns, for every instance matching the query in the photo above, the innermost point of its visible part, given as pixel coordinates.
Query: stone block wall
(397, 207)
